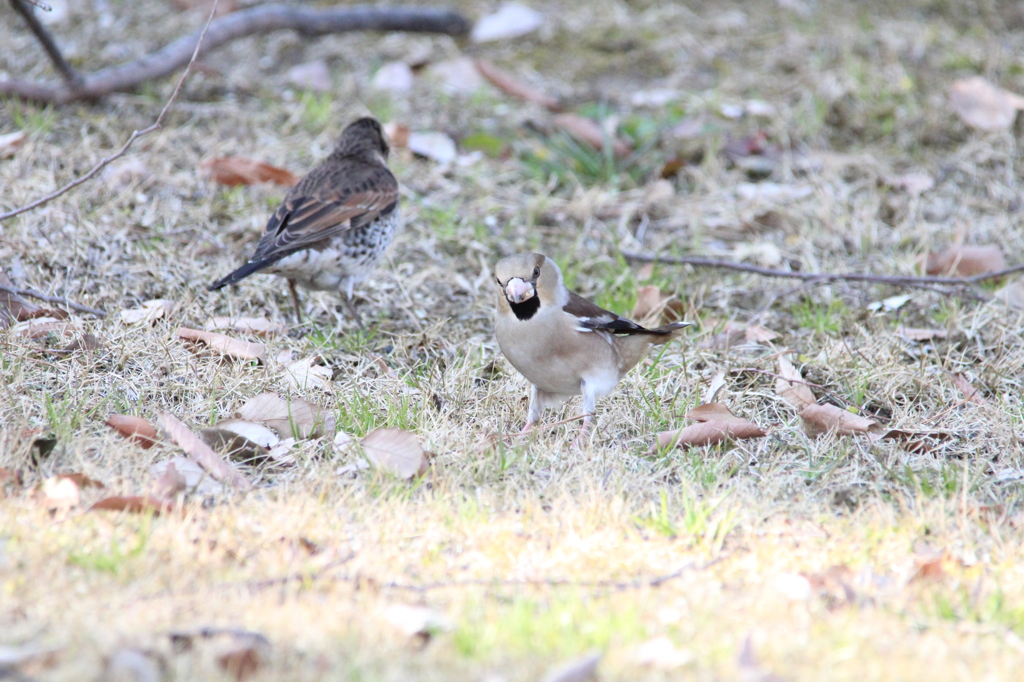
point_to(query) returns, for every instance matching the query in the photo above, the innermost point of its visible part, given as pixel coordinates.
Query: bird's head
(364, 136)
(528, 281)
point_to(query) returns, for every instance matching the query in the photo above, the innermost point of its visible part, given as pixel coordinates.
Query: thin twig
(136, 134)
(57, 300)
(896, 280)
(71, 77)
(309, 21)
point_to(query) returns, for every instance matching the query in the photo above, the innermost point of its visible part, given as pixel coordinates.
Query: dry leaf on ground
(237, 170)
(394, 77)
(581, 669)
(983, 105)
(196, 479)
(149, 312)
(288, 417)
(456, 76)
(200, 452)
(510, 21)
(966, 261)
(790, 388)
(590, 131)
(223, 344)
(58, 494)
(39, 327)
(81, 480)
(398, 134)
(135, 429)
(308, 373)
(241, 440)
(716, 424)
(396, 451)
(1012, 294)
(654, 307)
(134, 504)
(170, 483)
(244, 656)
(12, 142)
(819, 419)
(14, 308)
(511, 86)
(259, 326)
(919, 334)
(434, 146)
(736, 334)
(971, 394)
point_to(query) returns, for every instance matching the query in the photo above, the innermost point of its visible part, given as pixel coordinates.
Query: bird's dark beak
(518, 290)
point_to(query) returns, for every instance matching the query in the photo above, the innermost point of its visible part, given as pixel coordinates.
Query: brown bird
(334, 225)
(561, 342)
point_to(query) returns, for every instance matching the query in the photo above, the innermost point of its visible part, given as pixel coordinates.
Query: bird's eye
(536, 271)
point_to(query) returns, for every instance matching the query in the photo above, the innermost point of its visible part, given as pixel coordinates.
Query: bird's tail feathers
(241, 273)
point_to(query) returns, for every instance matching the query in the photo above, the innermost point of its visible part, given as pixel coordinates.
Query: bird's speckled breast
(347, 258)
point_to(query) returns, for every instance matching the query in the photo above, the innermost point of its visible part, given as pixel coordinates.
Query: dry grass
(536, 552)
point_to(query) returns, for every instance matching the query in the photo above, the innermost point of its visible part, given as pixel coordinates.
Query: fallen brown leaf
(398, 134)
(136, 504)
(170, 483)
(819, 419)
(983, 105)
(396, 451)
(654, 307)
(511, 86)
(259, 326)
(966, 261)
(39, 327)
(237, 170)
(223, 344)
(12, 142)
(197, 480)
(292, 417)
(149, 312)
(589, 131)
(717, 424)
(971, 394)
(135, 429)
(200, 452)
(789, 388)
(14, 308)
(81, 480)
(244, 657)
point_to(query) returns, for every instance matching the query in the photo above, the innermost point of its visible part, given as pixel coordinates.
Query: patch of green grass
(114, 560)
(317, 110)
(33, 118)
(823, 319)
(563, 625)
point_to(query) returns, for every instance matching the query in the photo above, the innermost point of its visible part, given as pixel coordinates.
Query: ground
(834, 557)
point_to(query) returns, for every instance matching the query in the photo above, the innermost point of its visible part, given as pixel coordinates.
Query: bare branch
(926, 282)
(56, 300)
(256, 20)
(136, 134)
(72, 79)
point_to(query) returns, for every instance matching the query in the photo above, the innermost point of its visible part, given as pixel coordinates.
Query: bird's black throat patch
(527, 308)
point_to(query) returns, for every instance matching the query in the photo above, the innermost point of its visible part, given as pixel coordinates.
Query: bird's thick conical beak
(518, 290)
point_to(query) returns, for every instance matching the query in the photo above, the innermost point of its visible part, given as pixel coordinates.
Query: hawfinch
(561, 342)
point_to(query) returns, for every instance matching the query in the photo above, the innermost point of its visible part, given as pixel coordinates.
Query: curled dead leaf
(971, 394)
(395, 450)
(135, 429)
(716, 424)
(238, 170)
(223, 344)
(308, 373)
(966, 261)
(200, 452)
(589, 131)
(511, 86)
(288, 417)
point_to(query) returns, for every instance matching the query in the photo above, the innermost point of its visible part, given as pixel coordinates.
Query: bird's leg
(589, 408)
(295, 300)
(350, 306)
(535, 410)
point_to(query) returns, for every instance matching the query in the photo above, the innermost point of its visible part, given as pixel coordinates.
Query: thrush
(335, 224)
(562, 343)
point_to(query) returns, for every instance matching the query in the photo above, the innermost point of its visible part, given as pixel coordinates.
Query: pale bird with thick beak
(562, 343)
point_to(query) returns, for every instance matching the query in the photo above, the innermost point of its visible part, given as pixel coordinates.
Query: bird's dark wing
(592, 317)
(325, 204)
